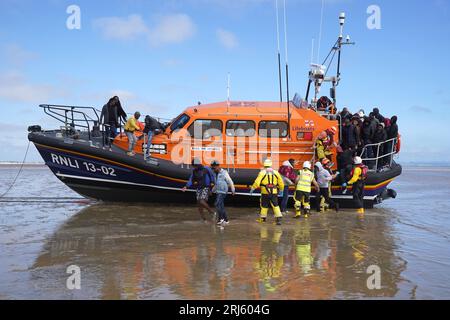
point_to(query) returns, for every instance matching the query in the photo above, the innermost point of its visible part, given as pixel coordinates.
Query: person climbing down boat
(130, 127)
(272, 185)
(303, 190)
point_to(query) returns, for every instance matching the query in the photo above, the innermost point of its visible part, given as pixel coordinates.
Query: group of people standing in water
(274, 187)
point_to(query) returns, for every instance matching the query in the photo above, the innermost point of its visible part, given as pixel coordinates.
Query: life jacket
(306, 178)
(270, 182)
(199, 178)
(364, 171)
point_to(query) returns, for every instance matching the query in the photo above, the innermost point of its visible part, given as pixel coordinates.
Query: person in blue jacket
(203, 180)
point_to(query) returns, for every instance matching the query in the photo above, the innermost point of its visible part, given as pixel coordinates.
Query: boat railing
(379, 152)
(73, 117)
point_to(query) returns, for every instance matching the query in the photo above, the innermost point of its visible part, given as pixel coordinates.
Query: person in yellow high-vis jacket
(272, 185)
(303, 190)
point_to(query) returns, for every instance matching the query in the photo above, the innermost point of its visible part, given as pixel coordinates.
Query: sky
(163, 56)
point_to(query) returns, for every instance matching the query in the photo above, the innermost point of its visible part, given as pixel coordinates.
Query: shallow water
(164, 252)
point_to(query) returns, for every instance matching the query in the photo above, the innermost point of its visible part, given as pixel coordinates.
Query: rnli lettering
(85, 166)
(64, 161)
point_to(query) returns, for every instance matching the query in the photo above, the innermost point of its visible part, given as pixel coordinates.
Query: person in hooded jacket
(380, 136)
(376, 113)
(392, 133)
(289, 176)
(349, 135)
(367, 134)
(111, 116)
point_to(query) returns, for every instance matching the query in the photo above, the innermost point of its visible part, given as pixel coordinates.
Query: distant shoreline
(7, 165)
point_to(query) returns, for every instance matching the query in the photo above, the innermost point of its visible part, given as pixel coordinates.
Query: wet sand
(165, 252)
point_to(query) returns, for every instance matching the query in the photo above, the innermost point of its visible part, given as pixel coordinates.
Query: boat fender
(399, 144)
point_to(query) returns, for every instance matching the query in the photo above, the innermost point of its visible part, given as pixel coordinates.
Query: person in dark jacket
(345, 163)
(392, 133)
(151, 127)
(380, 136)
(203, 180)
(373, 122)
(349, 135)
(367, 133)
(112, 113)
(357, 123)
(376, 113)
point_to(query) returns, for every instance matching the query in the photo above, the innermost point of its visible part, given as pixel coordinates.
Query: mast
(318, 72)
(287, 72)
(279, 54)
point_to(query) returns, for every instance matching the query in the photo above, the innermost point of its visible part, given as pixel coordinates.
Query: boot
(306, 213)
(337, 207)
(278, 221)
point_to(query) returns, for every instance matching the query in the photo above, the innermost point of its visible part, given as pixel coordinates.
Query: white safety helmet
(268, 163)
(357, 160)
(307, 164)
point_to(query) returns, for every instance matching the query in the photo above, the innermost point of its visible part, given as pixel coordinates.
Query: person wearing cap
(203, 180)
(223, 183)
(358, 176)
(324, 178)
(303, 190)
(130, 128)
(271, 183)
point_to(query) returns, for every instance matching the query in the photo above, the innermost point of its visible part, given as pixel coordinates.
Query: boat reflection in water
(165, 253)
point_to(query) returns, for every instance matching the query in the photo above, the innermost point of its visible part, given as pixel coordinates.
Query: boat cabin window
(241, 128)
(205, 129)
(273, 129)
(180, 122)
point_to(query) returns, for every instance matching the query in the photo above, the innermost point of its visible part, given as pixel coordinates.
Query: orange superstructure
(241, 134)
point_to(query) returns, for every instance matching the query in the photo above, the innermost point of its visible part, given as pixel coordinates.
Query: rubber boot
(307, 212)
(278, 221)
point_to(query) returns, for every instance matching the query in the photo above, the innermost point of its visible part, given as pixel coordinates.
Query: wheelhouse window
(275, 129)
(241, 128)
(180, 122)
(205, 129)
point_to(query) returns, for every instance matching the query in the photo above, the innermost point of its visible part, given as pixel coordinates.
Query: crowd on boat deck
(361, 135)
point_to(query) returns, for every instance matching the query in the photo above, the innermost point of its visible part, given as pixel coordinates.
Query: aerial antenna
(287, 71)
(320, 31)
(279, 54)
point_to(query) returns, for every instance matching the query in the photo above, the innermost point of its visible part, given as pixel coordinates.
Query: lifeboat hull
(108, 176)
